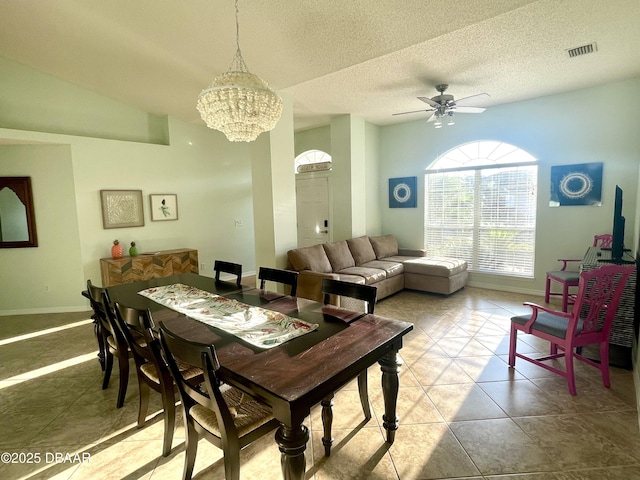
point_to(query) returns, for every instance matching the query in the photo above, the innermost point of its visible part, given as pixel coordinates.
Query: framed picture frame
(164, 207)
(576, 185)
(122, 208)
(402, 192)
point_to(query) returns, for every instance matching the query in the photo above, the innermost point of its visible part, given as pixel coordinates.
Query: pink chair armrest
(565, 261)
(537, 308)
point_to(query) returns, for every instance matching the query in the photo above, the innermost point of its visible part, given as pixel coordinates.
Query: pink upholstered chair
(569, 278)
(590, 321)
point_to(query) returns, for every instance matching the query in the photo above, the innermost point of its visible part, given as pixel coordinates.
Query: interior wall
(313, 139)
(210, 175)
(47, 276)
(372, 179)
(562, 129)
(31, 100)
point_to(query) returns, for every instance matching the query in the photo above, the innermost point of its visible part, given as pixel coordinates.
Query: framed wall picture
(579, 184)
(122, 208)
(164, 207)
(402, 192)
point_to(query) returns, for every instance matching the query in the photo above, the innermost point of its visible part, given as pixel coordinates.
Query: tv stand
(622, 331)
(617, 261)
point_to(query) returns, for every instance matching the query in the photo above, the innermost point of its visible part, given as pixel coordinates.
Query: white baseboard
(36, 311)
(505, 288)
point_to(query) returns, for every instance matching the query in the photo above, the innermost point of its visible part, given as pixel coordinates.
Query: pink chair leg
(513, 338)
(571, 379)
(547, 290)
(565, 297)
(604, 363)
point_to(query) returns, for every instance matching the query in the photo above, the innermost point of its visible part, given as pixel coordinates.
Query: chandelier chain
(238, 64)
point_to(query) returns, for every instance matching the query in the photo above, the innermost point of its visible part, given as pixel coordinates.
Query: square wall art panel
(403, 192)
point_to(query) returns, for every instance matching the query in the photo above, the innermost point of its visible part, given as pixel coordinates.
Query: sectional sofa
(375, 261)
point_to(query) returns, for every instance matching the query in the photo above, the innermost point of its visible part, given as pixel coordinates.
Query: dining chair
(226, 416)
(115, 345)
(568, 279)
(336, 288)
(94, 294)
(228, 267)
(151, 368)
(589, 322)
(286, 277)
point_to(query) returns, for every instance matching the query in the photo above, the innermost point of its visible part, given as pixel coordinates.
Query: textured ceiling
(371, 58)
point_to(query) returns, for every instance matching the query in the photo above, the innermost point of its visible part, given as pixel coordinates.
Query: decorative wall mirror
(17, 215)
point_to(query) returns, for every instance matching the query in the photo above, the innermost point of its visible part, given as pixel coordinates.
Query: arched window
(480, 205)
(312, 161)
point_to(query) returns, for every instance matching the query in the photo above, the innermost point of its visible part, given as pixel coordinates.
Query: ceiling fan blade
(468, 109)
(413, 111)
(429, 101)
(432, 117)
(471, 98)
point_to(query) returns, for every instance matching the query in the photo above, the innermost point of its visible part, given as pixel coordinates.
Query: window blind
(485, 215)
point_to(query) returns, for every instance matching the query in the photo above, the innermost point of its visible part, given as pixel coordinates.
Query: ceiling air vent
(582, 50)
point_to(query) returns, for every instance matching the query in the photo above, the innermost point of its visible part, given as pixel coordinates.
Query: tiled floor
(463, 412)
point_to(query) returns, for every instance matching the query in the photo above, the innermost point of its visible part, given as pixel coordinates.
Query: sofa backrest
(384, 246)
(311, 258)
(336, 256)
(339, 255)
(361, 249)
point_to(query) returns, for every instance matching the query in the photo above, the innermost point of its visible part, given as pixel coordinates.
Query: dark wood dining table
(298, 374)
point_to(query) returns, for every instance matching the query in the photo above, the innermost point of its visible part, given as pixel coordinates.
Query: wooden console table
(148, 265)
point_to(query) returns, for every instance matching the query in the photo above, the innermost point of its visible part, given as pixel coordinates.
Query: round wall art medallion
(576, 185)
(402, 192)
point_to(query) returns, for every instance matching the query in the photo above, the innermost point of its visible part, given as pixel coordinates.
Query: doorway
(312, 205)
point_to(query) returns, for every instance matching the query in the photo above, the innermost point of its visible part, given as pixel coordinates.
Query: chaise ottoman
(435, 274)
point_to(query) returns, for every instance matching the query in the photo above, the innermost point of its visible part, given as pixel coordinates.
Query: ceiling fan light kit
(444, 105)
(238, 103)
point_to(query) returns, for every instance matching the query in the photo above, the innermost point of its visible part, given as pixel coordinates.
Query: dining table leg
(292, 442)
(390, 365)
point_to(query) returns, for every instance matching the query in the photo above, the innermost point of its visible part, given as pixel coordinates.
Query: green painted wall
(211, 177)
(592, 125)
(31, 100)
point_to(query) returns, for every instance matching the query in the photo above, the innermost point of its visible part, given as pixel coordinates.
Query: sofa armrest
(310, 284)
(407, 252)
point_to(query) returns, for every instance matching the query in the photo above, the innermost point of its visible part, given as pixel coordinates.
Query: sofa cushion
(361, 249)
(435, 266)
(384, 246)
(351, 278)
(391, 268)
(400, 258)
(309, 258)
(370, 275)
(339, 255)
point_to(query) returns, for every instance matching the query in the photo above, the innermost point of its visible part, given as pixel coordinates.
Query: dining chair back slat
(220, 266)
(285, 277)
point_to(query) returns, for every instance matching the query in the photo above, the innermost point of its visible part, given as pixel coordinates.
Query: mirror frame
(21, 186)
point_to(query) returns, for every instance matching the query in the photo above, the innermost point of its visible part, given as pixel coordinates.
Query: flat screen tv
(617, 243)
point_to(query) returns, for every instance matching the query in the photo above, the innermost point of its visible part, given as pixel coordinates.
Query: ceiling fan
(444, 105)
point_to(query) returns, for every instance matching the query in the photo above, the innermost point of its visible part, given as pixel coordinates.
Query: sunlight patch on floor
(54, 367)
(39, 333)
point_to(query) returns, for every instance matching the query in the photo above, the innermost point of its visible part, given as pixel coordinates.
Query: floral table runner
(257, 326)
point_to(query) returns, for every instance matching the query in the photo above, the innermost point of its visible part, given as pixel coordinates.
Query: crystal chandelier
(238, 103)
